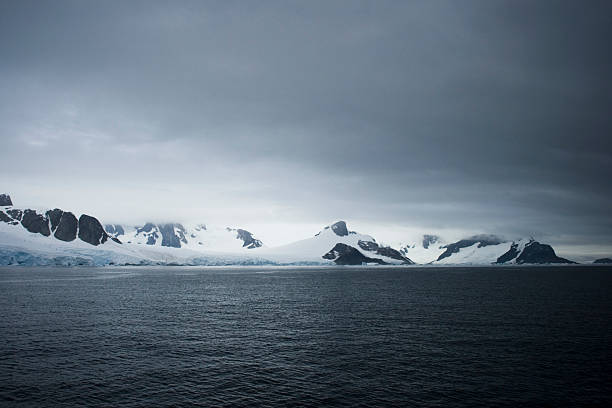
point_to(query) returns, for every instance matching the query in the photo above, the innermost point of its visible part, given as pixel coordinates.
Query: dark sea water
(315, 337)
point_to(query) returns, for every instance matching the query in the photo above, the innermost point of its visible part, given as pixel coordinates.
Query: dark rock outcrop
(536, 253)
(603, 261)
(343, 254)
(340, 229)
(149, 230)
(429, 239)
(481, 240)
(368, 245)
(384, 251)
(148, 227)
(248, 240)
(67, 227)
(15, 214)
(54, 216)
(4, 217)
(114, 230)
(172, 235)
(5, 200)
(91, 231)
(512, 253)
(35, 223)
(393, 254)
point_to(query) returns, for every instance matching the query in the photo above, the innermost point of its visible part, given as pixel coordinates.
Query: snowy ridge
(486, 249)
(476, 255)
(425, 251)
(314, 250)
(20, 247)
(196, 236)
(480, 250)
(58, 237)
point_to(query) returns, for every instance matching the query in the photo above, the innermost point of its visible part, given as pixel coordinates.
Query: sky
(400, 117)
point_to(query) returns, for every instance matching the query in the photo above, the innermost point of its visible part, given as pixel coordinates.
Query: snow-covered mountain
(481, 250)
(49, 237)
(335, 243)
(196, 236)
(58, 237)
(428, 249)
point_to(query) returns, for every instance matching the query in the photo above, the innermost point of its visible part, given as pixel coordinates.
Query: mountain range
(59, 237)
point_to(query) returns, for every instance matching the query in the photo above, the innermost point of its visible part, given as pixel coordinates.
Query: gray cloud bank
(487, 116)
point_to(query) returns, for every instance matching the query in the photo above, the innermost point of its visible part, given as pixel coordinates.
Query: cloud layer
(488, 116)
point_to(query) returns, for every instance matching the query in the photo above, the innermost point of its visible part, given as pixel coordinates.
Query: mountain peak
(340, 229)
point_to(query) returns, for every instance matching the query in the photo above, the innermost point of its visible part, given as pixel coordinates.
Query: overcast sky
(400, 117)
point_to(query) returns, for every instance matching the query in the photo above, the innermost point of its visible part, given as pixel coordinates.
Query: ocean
(274, 336)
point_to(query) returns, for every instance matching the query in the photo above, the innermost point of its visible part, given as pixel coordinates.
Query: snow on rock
(487, 249)
(343, 254)
(31, 237)
(425, 251)
(531, 252)
(480, 241)
(246, 237)
(198, 237)
(475, 254)
(21, 247)
(320, 248)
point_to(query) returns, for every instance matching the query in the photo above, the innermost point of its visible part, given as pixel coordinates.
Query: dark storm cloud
(490, 115)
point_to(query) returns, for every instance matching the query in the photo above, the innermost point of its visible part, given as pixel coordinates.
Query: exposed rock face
(150, 231)
(250, 242)
(482, 240)
(536, 253)
(12, 216)
(5, 200)
(67, 227)
(54, 216)
(340, 229)
(343, 254)
(367, 245)
(114, 230)
(91, 231)
(148, 227)
(603, 261)
(392, 253)
(533, 253)
(15, 214)
(4, 217)
(172, 235)
(384, 251)
(429, 239)
(62, 224)
(35, 223)
(512, 253)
